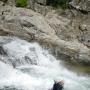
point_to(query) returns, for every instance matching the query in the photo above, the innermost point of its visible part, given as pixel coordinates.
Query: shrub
(59, 3)
(21, 3)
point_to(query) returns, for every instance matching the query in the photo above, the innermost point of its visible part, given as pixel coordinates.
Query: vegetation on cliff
(21, 3)
(59, 3)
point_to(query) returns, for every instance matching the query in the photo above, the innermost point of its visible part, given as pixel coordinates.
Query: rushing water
(27, 66)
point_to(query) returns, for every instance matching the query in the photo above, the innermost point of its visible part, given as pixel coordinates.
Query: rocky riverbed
(52, 30)
(40, 44)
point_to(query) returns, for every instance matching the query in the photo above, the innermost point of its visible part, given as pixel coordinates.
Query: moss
(21, 3)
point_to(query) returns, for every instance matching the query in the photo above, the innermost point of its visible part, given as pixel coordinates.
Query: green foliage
(21, 3)
(59, 3)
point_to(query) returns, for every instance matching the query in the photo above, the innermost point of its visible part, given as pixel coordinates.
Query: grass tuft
(21, 3)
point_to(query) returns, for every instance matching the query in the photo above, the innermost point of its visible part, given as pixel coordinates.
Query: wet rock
(30, 61)
(58, 85)
(2, 51)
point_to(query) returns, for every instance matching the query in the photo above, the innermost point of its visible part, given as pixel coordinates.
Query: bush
(21, 3)
(59, 3)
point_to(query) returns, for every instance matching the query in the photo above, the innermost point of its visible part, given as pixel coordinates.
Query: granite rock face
(51, 30)
(39, 6)
(81, 20)
(81, 4)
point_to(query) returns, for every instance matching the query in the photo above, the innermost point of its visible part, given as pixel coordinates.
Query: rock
(29, 25)
(1, 3)
(61, 25)
(81, 4)
(81, 20)
(23, 22)
(11, 2)
(39, 6)
(70, 29)
(31, 3)
(42, 2)
(58, 85)
(2, 51)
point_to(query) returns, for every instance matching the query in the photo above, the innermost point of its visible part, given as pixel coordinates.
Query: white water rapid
(27, 66)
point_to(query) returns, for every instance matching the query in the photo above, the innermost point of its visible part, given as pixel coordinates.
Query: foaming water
(30, 67)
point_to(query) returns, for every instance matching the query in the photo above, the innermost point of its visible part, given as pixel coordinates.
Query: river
(27, 66)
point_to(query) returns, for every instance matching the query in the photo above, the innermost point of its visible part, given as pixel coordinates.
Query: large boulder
(20, 21)
(29, 25)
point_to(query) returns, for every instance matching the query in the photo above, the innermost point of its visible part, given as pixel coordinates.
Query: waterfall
(27, 66)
